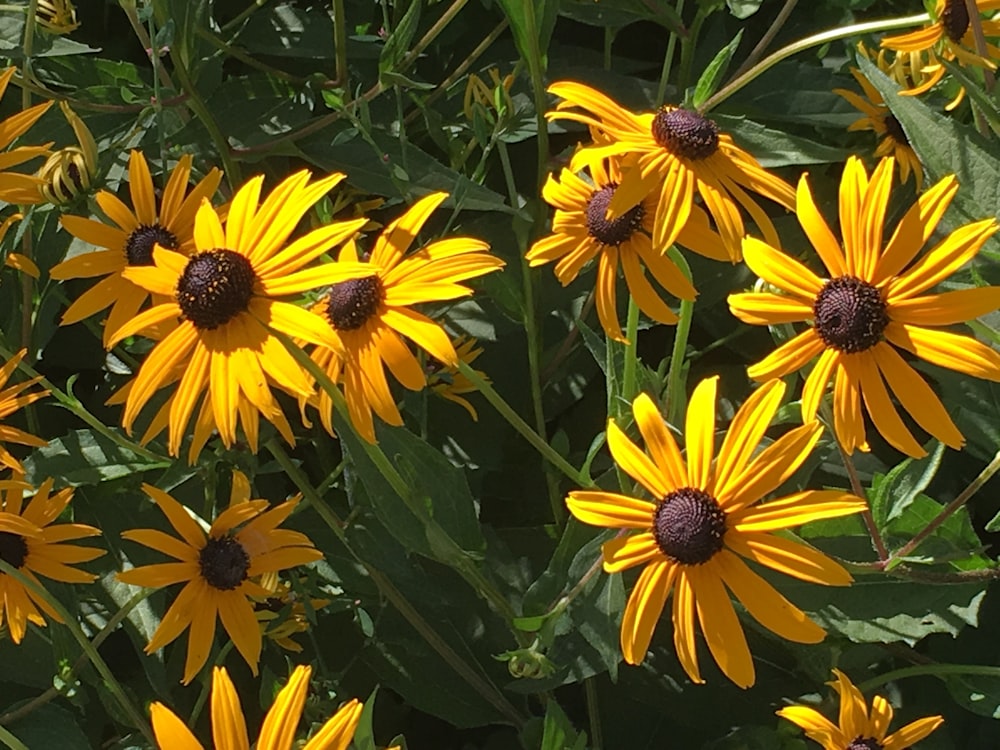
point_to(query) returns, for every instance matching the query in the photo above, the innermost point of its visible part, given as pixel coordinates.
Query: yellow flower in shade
(856, 728)
(448, 383)
(703, 518)
(12, 399)
(877, 117)
(30, 542)
(672, 153)
(69, 172)
(580, 232)
(229, 730)
(876, 298)
(225, 296)
(949, 38)
(217, 570)
(130, 238)
(369, 316)
(283, 612)
(56, 16)
(19, 188)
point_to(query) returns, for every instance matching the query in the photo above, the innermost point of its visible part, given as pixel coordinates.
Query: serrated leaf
(85, 457)
(774, 148)
(712, 75)
(892, 493)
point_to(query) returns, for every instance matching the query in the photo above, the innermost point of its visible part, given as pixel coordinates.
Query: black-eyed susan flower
(69, 172)
(229, 730)
(218, 570)
(12, 399)
(449, 383)
(949, 37)
(35, 546)
(284, 612)
(17, 188)
(877, 298)
(704, 516)
(671, 154)
(879, 119)
(581, 232)
(225, 297)
(56, 16)
(857, 729)
(129, 239)
(370, 315)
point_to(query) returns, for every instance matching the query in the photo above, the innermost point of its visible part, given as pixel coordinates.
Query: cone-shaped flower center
(13, 549)
(685, 133)
(350, 304)
(611, 231)
(689, 525)
(894, 130)
(850, 315)
(955, 19)
(215, 287)
(224, 563)
(139, 245)
(864, 743)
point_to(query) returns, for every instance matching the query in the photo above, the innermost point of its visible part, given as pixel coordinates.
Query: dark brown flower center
(139, 245)
(894, 130)
(611, 231)
(224, 563)
(215, 287)
(350, 304)
(864, 743)
(689, 525)
(73, 172)
(13, 549)
(955, 19)
(850, 314)
(685, 133)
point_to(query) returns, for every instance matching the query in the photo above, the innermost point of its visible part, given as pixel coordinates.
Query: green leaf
(50, 725)
(531, 22)
(398, 43)
(974, 405)
(774, 148)
(710, 78)
(893, 493)
(558, 731)
(85, 457)
(285, 30)
(620, 14)
(953, 541)
(744, 8)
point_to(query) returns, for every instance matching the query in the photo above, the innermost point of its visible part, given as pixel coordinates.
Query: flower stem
(963, 497)
(815, 40)
(89, 649)
(11, 741)
(936, 670)
(676, 373)
(772, 31)
(539, 443)
(629, 381)
(668, 59)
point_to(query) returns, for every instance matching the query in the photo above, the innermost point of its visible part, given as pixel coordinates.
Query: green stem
(89, 649)
(244, 14)
(390, 592)
(630, 385)
(73, 405)
(963, 497)
(668, 59)
(814, 40)
(11, 741)
(27, 282)
(934, 670)
(340, 46)
(593, 714)
(676, 374)
(772, 31)
(688, 46)
(522, 427)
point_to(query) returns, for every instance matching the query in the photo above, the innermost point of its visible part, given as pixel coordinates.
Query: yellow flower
(878, 118)
(229, 730)
(856, 728)
(283, 613)
(56, 16)
(369, 316)
(217, 570)
(12, 399)
(19, 188)
(30, 542)
(129, 241)
(222, 352)
(69, 172)
(949, 37)
(875, 298)
(448, 383)
(581, 232)
(703, 518)
(671, 153)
